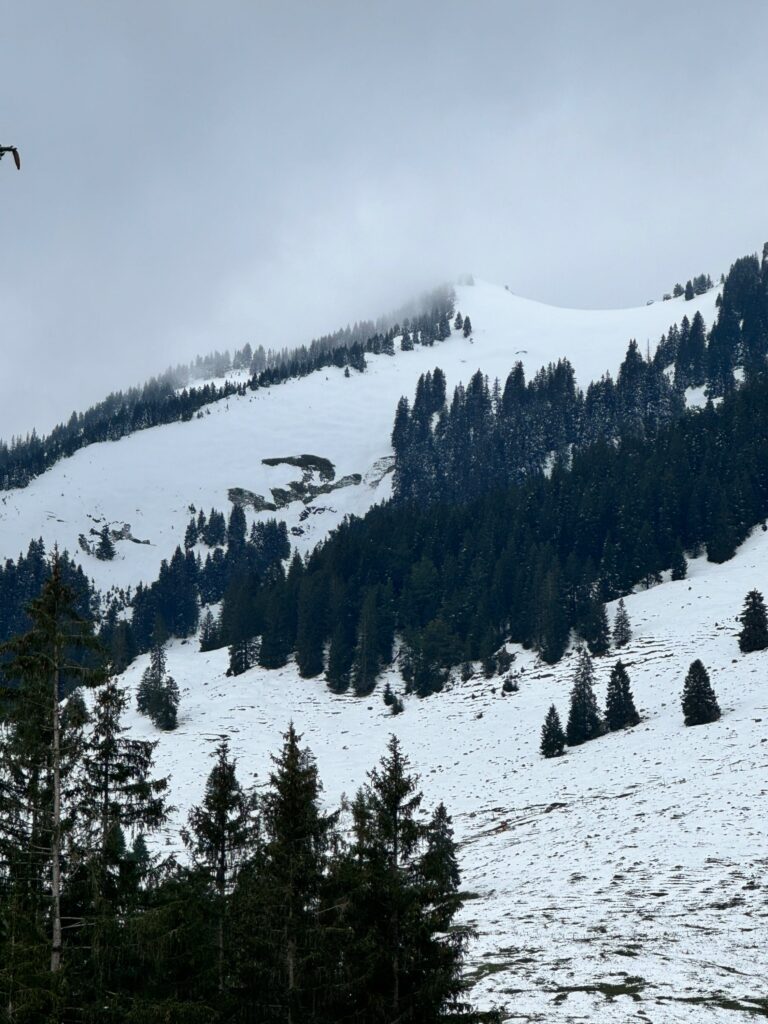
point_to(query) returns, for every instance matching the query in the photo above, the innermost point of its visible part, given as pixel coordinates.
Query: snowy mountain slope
(626, 881)
(150, 479)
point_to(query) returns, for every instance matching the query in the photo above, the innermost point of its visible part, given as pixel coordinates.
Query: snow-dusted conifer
(620, 710)
(754, 623)
(584, 719)
(699, 701)
(622, 629)
(552, 735)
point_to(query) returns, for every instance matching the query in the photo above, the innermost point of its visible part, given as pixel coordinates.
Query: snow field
(625, 881)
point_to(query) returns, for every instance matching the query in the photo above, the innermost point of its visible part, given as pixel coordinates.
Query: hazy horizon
(196, 178)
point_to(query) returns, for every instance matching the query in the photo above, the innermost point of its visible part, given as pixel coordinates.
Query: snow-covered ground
(626, 881)
(150, 479)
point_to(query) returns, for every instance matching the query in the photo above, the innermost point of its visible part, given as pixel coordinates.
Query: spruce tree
(467, 326)
(622, 629)
(408, 960)
(209, 633)
(38, 751)
(679, 564)
(219, 833)
(596, 631)
(699, 701)
(620, 710)
(105, 549)
(584, 720)
(552, 735)
(164, 704)
(754, 624)
(282, 956)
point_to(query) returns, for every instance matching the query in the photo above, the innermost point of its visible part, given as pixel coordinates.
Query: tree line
(528, 563)
(161, 401)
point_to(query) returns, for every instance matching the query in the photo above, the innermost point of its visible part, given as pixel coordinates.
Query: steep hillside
(148, 480)
(625, 881)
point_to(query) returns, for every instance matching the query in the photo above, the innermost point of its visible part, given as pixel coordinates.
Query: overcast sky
(198, 175)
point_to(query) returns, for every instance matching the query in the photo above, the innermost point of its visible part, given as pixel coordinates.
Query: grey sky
(198, 175)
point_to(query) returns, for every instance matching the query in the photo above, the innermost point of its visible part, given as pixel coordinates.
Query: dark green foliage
(281, 959)
(243, 654)
(311, 627)
(584, 719)
(689, 293)
(622, 628)
(157, 694)
(754, 624)
(620, 710)
(595, 629)
(401, 861)
(552, 735)
(679, 564)
(219, 836)
(105, 549)
(277, 918)
(209, 633)
(699, 701)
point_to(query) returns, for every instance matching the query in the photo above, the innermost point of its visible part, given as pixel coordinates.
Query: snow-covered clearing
(626, 881)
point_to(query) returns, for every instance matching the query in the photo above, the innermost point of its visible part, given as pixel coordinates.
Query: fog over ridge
(196, 177)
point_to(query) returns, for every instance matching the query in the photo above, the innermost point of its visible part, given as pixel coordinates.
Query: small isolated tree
(105, 549)
(467, 327)
(620, 710)
(689, 291)
(584, 720)
(699, 701)
(458, 323)
(552, 735)
(622, 628)
(754, 623)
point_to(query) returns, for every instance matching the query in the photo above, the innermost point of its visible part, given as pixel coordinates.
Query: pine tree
(754, 624)
(365, 666)
(37, 751)
(243, 654)
(219, 833)
(467, 326)
(105, 549)
(408, 960)
(699, 701)
(596, 631)
(282, 956)
(164, 704)
(157, 694)
(584, 721)
(622, 628)
(620, 710)
(209, 633)
(552, 735)
(688, 291)
(679, 564)
(113, 793)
